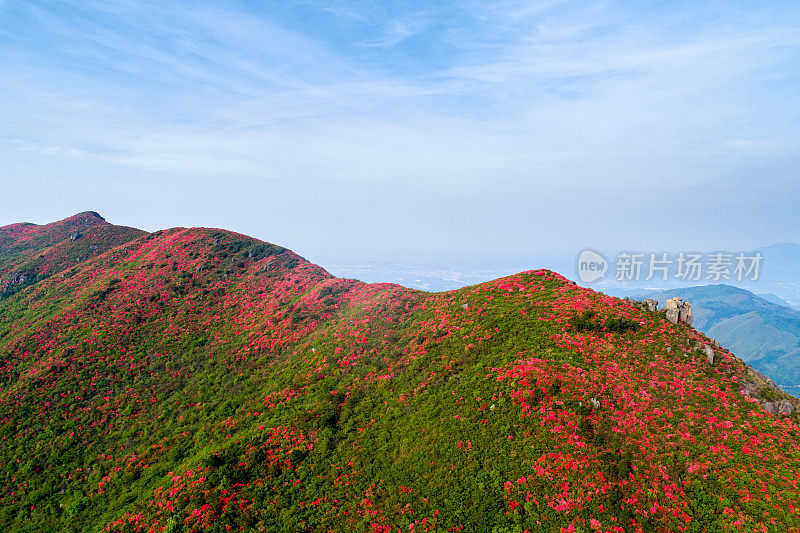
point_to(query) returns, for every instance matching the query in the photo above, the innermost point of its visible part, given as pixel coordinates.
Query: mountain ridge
(201, 380)
(31, 252)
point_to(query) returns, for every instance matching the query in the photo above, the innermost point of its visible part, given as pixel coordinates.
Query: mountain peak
(85, 216)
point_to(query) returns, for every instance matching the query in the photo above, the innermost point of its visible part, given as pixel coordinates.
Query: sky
(349, 130)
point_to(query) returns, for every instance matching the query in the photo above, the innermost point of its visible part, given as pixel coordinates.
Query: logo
(591, 266)
(684, 266)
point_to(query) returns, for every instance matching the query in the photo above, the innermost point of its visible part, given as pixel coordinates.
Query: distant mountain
(774, 298)
(761, 332)
(30, 252)
(199, 380)
(17, 239)
(780, 273)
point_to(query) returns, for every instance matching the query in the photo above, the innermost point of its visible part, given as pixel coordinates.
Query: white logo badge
(591, 266)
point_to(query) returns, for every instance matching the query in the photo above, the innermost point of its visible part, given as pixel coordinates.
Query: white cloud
(496, 103)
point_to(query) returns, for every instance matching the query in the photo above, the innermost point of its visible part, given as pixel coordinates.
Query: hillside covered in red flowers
(201, 380)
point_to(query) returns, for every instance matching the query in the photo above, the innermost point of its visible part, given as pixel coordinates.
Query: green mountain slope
(764, 334)
(200, 380)
(29, 252)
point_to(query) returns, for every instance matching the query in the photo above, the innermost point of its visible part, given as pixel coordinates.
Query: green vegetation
(764, 334)
(200, 380)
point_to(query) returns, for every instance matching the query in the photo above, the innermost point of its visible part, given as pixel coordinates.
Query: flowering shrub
(200, 380)
(29, 253)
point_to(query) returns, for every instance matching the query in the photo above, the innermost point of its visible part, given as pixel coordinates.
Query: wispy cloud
(400, 30)
(486, 104)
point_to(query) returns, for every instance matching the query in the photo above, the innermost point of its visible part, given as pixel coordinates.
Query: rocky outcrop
(780, 407)
(16, 280)
(709, 353)
(685, 315)
(768, 395)
(679, 310)
(676, 310)
(672, 315)
(644, 305)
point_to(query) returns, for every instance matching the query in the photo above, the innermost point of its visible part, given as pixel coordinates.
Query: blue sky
(362, 129)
